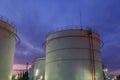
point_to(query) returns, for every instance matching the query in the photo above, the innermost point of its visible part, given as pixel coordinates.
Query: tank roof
(38, 59)
(81, 29)
(65, 32)
(9, 28)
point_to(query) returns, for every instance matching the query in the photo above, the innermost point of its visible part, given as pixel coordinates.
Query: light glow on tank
(10, 77)
(41, 77)
(105, 70)
(16, 77)
(36, 72)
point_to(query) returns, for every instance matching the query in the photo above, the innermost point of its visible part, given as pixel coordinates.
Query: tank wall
(39, 69)
(71, 42)
(7, 26)
(7, 47)
(31, 73)
(68, 56)
(68, 70)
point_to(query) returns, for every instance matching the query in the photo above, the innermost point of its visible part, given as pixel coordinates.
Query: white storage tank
(7, 47)
(39, 69)
(73, 55)
(31, 73)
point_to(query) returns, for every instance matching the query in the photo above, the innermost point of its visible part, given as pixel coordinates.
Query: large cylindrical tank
(39, 69)
(7, 47)
(73, 55)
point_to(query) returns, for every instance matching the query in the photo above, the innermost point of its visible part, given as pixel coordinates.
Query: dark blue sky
(34, 19)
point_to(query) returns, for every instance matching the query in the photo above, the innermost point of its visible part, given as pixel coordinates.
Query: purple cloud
(35, 19)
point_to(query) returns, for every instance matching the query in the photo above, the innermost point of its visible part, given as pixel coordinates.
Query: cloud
(27, 52)
(115, 72)
(17, 68)
(34, 19)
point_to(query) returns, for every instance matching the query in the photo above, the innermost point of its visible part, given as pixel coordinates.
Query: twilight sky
(34, 19)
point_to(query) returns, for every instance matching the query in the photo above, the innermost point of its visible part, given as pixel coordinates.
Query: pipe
(91, 54)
